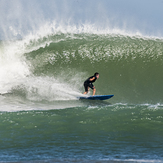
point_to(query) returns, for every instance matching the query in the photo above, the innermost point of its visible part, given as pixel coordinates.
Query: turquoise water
(42, 118)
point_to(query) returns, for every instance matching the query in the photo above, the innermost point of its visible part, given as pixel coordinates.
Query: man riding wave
(88, 83)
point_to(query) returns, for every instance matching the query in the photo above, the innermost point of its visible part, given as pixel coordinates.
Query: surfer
(88, 83)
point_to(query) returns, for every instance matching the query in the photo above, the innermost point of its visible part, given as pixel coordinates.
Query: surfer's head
(97, 75)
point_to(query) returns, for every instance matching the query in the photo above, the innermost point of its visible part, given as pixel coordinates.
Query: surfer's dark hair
(96, 74)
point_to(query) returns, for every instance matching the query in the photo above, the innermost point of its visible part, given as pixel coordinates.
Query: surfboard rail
(97, 97)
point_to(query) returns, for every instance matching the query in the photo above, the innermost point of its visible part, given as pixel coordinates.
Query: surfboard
(97, 97)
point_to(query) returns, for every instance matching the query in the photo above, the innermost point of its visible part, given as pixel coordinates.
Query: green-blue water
(42, 118)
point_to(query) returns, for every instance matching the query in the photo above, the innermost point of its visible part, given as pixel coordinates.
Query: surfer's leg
(94, 91)
(93, 88)
(85, 93)
(86, 88)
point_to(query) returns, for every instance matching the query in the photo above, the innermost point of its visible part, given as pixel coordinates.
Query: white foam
(13, 66)
(50, 89)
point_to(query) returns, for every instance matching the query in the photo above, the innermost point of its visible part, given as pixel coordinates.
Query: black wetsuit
(88, 83)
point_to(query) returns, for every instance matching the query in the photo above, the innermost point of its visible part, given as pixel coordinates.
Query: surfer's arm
(91, 79)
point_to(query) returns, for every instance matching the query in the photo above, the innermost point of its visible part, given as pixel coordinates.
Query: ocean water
(42, 119)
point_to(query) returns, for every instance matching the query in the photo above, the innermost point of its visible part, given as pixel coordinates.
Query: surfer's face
(97, 76)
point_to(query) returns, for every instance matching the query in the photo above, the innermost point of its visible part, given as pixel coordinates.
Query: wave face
(129, 67)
